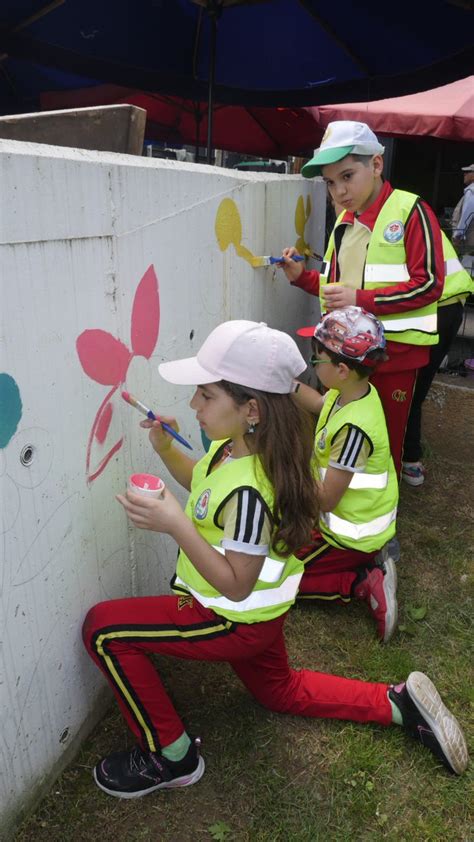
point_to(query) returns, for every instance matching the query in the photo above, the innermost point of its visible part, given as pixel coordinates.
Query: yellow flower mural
(301, 217)
(228, 228)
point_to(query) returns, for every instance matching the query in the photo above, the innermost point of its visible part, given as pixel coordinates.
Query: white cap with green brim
(341, 138)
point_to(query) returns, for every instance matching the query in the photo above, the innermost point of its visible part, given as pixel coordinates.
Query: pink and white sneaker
(377, 586)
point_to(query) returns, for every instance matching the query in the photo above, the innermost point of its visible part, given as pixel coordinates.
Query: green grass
(272, 778)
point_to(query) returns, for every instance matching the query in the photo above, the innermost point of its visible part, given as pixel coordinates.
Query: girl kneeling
(251, 505)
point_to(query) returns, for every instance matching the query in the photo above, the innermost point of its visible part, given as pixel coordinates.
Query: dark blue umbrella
(265, 52)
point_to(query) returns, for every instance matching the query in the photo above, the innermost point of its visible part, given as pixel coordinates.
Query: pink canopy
(446, 112)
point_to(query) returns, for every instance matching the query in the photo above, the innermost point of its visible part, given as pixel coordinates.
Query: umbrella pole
(213, 12)
(198, 118)
(434, 198)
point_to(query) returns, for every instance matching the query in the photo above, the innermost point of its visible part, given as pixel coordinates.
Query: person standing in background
(463, 221)
(458, 285)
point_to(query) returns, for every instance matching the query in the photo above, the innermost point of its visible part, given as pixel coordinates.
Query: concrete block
(112, 128)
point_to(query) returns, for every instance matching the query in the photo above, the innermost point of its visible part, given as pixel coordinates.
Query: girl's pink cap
(242, 352)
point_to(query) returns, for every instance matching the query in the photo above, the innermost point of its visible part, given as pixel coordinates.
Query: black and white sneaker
(429, 721)
(131, 774)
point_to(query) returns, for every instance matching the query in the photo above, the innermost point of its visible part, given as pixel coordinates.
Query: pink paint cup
(146, 484)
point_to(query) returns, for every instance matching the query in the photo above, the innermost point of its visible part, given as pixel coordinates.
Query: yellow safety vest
(386, 264)
(457, 282)
(277, 585)
(364, 519)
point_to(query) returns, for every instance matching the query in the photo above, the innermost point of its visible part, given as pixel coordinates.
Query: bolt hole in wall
(27, 455)
(64, 735)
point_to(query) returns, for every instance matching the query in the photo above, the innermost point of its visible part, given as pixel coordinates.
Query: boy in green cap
(387, 255)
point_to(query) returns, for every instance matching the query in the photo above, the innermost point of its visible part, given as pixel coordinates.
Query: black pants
(449, 322)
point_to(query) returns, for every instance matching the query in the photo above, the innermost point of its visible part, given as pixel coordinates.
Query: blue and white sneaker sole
(390, 591)
(185, 780)
(444, 725)
(413, 479)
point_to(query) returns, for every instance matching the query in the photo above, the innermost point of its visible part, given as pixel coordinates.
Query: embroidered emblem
(394, 231)
(202, 504)
(185, 602)
(321, 444)
(399, 395)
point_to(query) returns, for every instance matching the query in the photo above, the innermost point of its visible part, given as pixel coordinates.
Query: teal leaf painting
(10, 408)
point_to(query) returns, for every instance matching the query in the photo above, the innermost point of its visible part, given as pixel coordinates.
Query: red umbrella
(268, 132)
(446, 112)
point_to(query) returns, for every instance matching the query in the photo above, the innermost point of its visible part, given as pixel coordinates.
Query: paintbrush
(151, 415)
(311, 253)
(267, 260)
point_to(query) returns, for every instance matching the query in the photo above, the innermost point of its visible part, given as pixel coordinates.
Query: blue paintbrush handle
(296, 257)
(173, 433)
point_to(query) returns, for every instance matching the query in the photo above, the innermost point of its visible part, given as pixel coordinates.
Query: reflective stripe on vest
(271, 571)
(358, 530)
(257, 599)
(386, 273)
(362, 480)
(426, 324)
(453, 264)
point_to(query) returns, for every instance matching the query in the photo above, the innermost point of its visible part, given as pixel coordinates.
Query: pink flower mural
(106, 359)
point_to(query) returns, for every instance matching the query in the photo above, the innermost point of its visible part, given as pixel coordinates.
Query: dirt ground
(448, 419)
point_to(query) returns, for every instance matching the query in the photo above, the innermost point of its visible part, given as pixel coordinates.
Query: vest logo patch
(394, 231)
(399, 395)
(202, 504)
(321, 443)
(185, 602)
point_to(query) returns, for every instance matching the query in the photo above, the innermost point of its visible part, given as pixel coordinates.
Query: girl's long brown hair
(283, 443)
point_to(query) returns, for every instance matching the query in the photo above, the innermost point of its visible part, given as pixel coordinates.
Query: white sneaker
(413, 473)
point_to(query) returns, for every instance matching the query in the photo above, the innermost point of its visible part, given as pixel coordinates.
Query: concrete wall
(109, 265)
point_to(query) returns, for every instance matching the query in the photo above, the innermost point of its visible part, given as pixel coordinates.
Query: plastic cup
(147, 484)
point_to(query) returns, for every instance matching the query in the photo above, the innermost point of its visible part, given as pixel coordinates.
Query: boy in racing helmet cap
(357, 482)
(353, 334)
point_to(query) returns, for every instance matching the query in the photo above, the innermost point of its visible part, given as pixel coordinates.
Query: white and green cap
(341, 138)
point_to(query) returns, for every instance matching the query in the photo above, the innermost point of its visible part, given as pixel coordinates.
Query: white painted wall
(78, 231)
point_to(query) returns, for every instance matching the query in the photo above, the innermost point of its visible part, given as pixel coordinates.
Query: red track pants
(329, 572)
(119, 636)
(396, 392)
